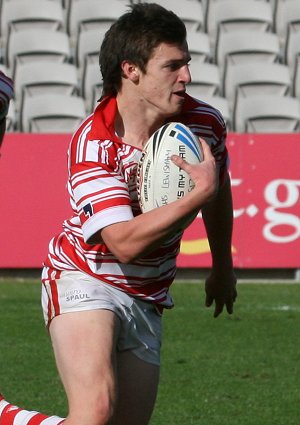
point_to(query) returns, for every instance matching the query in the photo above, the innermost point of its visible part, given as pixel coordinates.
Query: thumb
(206, 149)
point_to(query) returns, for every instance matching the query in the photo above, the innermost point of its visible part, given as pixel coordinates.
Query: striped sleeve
(97, 186)
(6, 94)
(101, 197)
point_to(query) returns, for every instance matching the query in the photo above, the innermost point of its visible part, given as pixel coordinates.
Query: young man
(107, 276)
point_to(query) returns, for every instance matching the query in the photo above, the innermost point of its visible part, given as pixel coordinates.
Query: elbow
(123, 252)
(120, 244)
(125, 257)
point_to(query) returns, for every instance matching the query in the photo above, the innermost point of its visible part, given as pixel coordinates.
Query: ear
(130, 71)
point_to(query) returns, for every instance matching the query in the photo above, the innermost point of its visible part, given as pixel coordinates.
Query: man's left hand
(221, 289)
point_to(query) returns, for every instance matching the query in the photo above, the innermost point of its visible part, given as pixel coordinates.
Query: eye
(174, 66)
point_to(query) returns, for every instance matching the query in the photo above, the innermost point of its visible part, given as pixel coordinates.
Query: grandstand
(225, 37)
(245, 61)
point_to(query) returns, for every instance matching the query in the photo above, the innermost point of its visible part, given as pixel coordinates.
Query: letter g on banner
(277, 218)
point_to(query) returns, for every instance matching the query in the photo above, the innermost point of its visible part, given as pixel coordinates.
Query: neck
(133, 124)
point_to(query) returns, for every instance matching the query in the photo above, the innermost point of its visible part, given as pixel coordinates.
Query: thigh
(137, 389)
(84, 346)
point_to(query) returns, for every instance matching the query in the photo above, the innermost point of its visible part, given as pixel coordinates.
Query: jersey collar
(103, 125)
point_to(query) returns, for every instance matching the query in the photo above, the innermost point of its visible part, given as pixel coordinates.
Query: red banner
(265, 183)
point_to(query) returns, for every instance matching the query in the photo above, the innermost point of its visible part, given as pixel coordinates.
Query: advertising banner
(265, 175)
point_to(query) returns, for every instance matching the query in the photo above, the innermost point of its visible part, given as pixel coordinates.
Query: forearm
(218, 220)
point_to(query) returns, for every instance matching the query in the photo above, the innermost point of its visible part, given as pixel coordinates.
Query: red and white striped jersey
(102, 188)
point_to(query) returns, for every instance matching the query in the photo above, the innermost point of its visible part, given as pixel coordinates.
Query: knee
(97, 410)
(104, 410)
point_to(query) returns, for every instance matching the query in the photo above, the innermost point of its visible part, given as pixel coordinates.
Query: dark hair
(133, 37)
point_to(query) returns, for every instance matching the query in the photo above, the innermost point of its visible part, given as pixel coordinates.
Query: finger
(229, 303)
(207, 154)
(229, 307)
(208, 301)
(218, 309)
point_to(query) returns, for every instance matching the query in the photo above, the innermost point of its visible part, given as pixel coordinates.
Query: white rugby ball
(159, 180)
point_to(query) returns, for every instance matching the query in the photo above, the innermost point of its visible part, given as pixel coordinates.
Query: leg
(84, 346)
(13, 415)
(137, 383)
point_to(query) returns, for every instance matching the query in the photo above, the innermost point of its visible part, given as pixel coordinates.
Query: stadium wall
(266, 191)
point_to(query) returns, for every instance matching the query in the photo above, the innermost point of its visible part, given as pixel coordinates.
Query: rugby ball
(159, 180)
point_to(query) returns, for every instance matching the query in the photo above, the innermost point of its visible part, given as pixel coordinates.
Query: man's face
(162, 87)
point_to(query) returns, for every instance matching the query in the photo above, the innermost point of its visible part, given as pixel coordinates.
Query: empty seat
(91, 85)
(18, 15)
(246, 46)
(238, 15)
(292, 50)
(296, 82)
(51, 113)
(88, 14)
(191, 12)
(199, 46)
(267, 114)
(88, 47)
(34, 78)
(35, 45)
(287, 18)
(206, 77)
(255, 78)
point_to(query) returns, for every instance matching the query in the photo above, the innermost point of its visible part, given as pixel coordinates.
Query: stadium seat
(267, 114)
(191, 12)
(88, 47)
(35, 78)
(36, 44)
(91, 85)
(88, 14)
(296, 81)
(247, 79)
(199, 46)
(29, 14)
(235, 15)
(292, 50)
(51, 113)
(206, 77)
(286, 18)
(246, 46)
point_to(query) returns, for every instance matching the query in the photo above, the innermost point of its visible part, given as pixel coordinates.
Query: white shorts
(141, 327)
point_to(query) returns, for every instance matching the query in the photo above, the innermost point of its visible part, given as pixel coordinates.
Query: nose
(185, 75)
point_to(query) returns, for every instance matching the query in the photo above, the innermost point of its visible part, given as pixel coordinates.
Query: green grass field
(242, 369)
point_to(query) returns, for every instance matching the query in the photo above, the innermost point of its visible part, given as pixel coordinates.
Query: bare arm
(131, 239)
(220, 286)
(218, 220)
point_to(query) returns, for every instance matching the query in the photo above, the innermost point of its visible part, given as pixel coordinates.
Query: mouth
(180, 93)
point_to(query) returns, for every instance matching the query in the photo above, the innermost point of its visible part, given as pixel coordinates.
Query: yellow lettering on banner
(197, 246)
